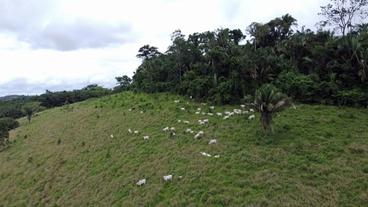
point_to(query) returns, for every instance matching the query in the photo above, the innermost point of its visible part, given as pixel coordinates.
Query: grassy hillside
(67, 156)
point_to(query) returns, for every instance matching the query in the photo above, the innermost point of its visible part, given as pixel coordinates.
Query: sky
(68, 44)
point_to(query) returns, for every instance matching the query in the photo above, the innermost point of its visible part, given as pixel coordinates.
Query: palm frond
(269, 100)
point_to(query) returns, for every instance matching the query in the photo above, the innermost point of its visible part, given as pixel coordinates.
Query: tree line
(227, 65)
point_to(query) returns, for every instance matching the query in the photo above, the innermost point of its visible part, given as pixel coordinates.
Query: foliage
(298, 86)
(6, 124)
(353, 97)
(4, 136)
(124, 83)
(310, 67)
(13, 108)
(55, 99)
(147, 52)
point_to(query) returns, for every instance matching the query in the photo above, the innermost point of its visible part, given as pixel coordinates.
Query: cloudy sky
(68, 44)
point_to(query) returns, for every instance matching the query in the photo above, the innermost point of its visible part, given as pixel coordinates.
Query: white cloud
(78, 34)
(56, 43)
(43, 25)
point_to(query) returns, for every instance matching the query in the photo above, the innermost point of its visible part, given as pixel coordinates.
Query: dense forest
(227, 66)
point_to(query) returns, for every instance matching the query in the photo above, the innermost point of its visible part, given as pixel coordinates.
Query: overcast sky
(68, 44)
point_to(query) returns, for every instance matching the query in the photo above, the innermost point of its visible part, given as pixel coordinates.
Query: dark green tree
(124, 83)
(147, 52)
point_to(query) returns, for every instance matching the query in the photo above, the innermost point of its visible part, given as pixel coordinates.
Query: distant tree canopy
(15, 108)
(273, 32)
(311, 67)
(54, 99)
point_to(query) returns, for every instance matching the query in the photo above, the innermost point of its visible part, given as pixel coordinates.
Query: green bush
(195, 86)
(8, 124)
(298, 86)
(354, 97)
(11, 111)
(223, 92)
(4, 135)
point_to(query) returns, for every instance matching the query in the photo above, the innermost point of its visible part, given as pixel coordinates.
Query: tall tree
(123, 83)
(180, 52)
(281, 28)
(147, 52)
(273, 32)
(258, 32)
(237, 35)
(342, 14)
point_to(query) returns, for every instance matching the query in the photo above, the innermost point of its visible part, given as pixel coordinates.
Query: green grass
(318, 156)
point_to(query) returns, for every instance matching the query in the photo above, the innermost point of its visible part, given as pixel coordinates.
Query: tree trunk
(215, 79)
(266, 120)
(179, 74)
(214, 73)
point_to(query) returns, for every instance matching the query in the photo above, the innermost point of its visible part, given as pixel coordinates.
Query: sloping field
(84, 155)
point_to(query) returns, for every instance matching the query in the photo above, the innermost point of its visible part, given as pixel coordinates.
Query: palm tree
(269, 101)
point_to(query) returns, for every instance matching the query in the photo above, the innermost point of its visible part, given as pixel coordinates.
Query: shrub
(223, 92)
(352, 97)
(4, 135)
(12, 112)
(8, 123)
(298, 86)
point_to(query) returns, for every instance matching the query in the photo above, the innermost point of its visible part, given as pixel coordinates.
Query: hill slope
(67, 157)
